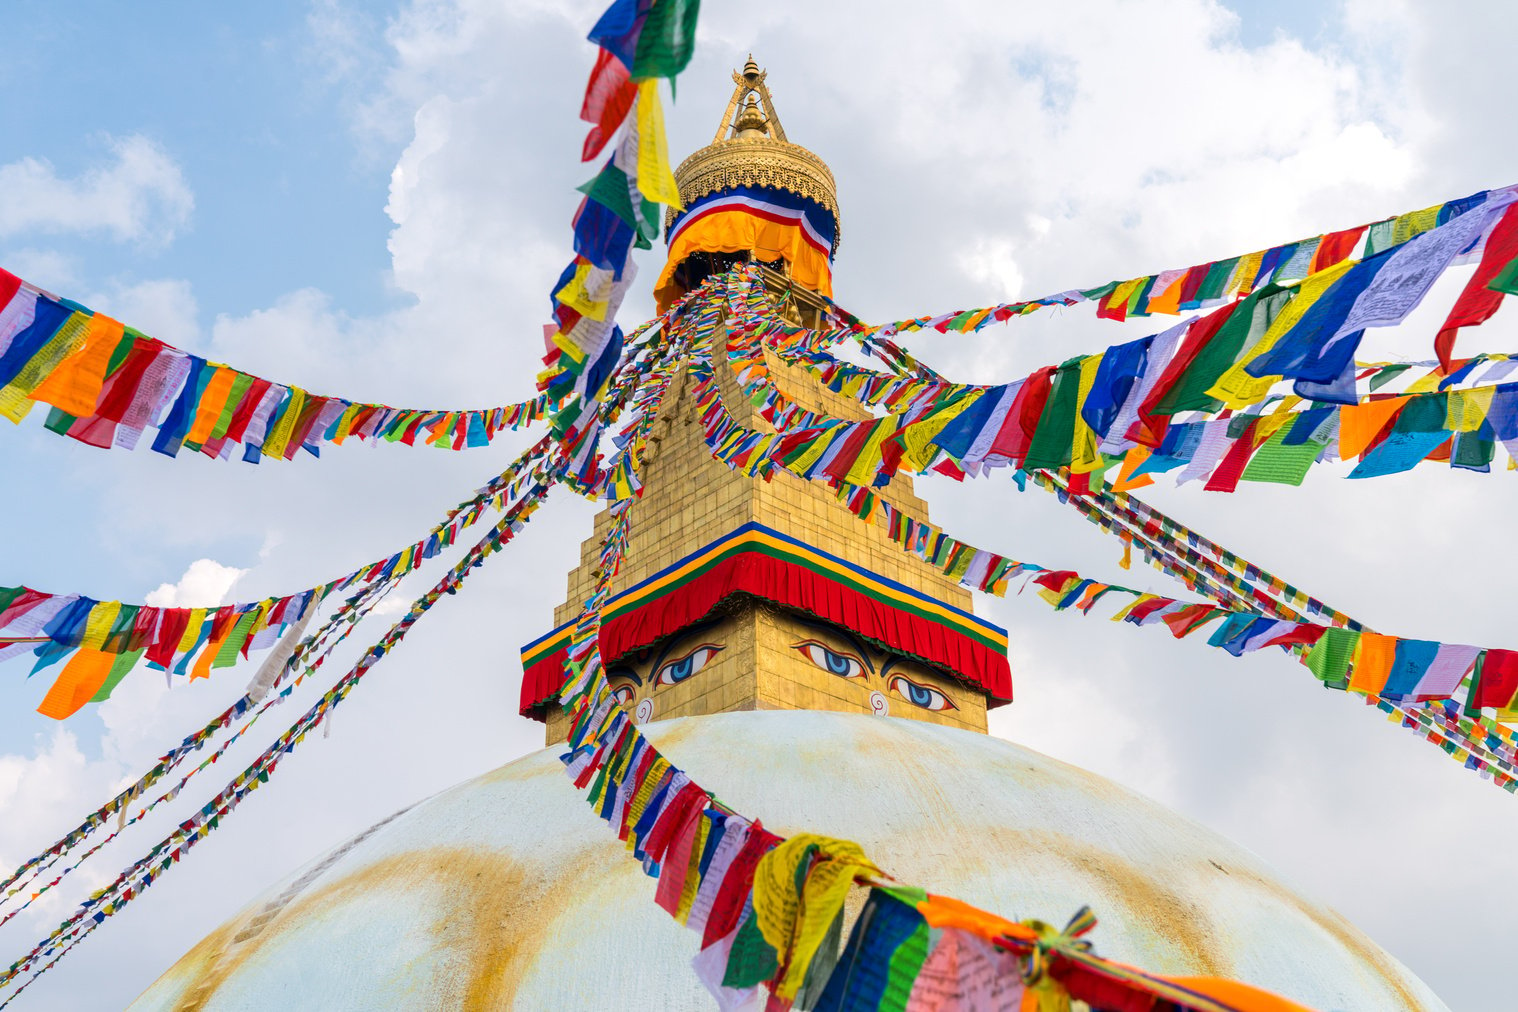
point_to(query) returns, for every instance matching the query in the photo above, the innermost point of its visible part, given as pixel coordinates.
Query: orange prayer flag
(1236, 995)
(1168, 301)
(74, 386)
(947, 912)
(1359, 423)
(212, 401)
(77, 683)
(208, 654)
(1125, 480)
(1373, 661)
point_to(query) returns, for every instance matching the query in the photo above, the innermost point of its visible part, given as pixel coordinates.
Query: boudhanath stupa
(814, 676)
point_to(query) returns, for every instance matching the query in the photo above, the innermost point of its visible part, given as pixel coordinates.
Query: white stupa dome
(507, 892)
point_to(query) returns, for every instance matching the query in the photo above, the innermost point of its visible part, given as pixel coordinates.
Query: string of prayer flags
(1202, 286)
(770, 909)
(639, 44)
(1477, 740)
(1152, 406)
(106, 384)
(103, 641)
(244, 714)
(139, 876)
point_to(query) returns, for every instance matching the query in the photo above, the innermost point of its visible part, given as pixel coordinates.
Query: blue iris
(679, 671)
(837, 664)
(918, 695)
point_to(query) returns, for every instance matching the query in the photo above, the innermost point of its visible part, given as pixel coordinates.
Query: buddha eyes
(623, 694)
(831, 661)
(920, 695)
(677, 671)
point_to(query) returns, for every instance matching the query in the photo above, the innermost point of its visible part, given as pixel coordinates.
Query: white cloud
(140, 196)
(990, 263)
(47, 268)
(164, 308)
(204, 585)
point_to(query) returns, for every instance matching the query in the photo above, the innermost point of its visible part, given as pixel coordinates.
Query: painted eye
(623, 694)
(677, 671)
(920, 695)
(834, 663)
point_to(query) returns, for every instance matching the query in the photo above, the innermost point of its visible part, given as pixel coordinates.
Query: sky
(373, 199)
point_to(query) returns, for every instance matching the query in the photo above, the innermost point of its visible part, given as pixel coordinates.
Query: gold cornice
(778, 165)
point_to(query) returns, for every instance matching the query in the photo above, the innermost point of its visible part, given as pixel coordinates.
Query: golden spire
(751, 149)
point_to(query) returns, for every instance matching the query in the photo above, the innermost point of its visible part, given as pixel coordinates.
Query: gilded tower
(742, 594)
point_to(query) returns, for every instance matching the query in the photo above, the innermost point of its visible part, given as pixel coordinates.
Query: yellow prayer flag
(191, 630)
(1242, 281)
(794, 921)
(1085, 455)
(915, 438)
(815, 449)
(1468, 408)
(867, 464)
(1415, 223)
(15, 397)
(279, 436)
(655, 180)
(98, 626)
(1123, 292)
(588, 293)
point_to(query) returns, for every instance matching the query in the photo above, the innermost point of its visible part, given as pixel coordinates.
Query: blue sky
(251, 110)
(372, 202)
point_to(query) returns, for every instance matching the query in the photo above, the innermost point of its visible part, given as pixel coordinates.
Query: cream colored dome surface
(507, 892)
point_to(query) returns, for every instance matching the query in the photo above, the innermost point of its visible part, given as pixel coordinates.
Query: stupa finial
(756, 119)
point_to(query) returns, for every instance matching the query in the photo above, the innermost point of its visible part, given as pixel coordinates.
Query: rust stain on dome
(493, 917)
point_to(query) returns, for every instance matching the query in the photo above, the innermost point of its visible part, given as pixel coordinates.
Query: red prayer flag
(1477, 302)
(1334, 248)
(609, 95)
(1499, 680)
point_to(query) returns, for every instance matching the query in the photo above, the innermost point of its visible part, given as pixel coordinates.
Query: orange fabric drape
(736, 230)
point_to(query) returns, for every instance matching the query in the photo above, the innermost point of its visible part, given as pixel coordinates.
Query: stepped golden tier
(809, 672)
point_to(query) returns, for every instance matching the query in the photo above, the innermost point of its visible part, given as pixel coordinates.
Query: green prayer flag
(611, 190)
(119, 354)
(1279, 463)
(1379, 237)
(227, 655)
(59, 421)
(1473, 451)
(752, 960)
(1330, 656)
(8, 595)
(119, 668)
(1238, 334)
(1097, 294)
(1388, 374)
(906, 964)
(668, 39)
(1506, 279)
(240, 384)
(1216, 280)
(1056, 425)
